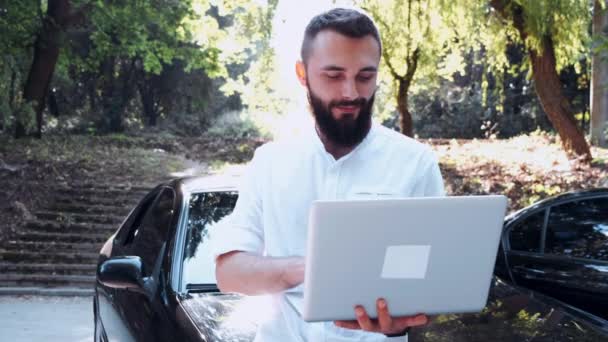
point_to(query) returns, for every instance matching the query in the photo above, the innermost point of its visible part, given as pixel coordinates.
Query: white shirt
(282, 180)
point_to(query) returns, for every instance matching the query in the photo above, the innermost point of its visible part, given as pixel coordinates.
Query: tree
(19, 20)
(417, 45)
(59, 16)
(112, 51)
(554, 34)
(599, 75)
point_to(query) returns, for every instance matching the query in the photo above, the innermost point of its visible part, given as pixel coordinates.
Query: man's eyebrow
(369, 69)
(333, 68)
(338, 68)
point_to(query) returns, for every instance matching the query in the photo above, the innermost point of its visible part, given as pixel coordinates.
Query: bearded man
(259, 249)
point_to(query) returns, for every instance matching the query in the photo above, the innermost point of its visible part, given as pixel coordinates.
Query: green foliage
(155, 33)
(540, 191)
(234, 125)
(566, 22)
(407, 26)
(19, 20)
(259, 88)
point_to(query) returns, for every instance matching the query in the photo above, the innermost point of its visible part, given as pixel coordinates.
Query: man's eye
(333, 76)
(364, 78)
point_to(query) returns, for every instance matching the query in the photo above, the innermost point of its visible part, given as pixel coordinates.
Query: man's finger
(411, 321)
(384, 317)
(348, 324)
(364, 321)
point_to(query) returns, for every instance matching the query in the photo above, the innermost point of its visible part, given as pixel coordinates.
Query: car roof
(212, 182)
(567, 196)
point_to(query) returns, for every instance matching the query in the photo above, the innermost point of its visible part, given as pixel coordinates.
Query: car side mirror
(125, 273)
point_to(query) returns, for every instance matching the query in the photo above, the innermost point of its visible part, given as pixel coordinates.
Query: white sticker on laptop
(406, 262)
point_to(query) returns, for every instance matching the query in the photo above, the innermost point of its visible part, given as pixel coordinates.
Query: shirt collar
(365, 142)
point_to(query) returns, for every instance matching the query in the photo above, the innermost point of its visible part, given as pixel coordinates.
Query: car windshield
(205, 211)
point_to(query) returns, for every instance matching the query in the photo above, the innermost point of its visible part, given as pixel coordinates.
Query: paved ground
(48, 319)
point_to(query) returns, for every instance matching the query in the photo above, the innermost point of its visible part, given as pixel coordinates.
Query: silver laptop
(428, 255)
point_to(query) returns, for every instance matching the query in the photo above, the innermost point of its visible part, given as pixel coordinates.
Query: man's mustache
(357, 102)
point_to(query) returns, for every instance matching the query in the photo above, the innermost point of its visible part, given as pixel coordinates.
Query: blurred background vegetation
(512, 95)
(451, 69)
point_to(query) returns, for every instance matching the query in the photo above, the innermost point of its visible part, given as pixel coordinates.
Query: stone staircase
(57, 251)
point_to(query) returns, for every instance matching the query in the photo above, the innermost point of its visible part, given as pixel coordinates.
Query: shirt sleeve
(243, 229)
(430, 183)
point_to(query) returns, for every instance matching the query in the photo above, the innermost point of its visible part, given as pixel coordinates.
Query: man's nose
(349, 90)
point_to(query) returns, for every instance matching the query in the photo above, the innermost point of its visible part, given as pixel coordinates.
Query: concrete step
(52, 246)
(118, 183)
(95, 200)
(15, 279)
(78, 218)
(128, 187)
(79, 208)
(64, 236)
(9, 254)
(73, 228)
(46, 268)
(107, 193)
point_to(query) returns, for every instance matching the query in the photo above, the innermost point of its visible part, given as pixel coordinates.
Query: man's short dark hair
(348, 22)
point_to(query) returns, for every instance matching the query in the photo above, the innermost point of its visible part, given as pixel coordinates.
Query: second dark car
(559, 247)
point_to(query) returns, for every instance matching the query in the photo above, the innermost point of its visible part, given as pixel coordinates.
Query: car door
(110, 311)
(576, 254)
(145, 316)
(523, 248)
(562, 251)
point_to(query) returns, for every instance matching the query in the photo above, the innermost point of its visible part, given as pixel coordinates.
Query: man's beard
(347, 131)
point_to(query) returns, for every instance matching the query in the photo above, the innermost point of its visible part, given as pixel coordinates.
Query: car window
(526, 234)
(152, 232)
(125, 235)
(579, 229)
(205, 210)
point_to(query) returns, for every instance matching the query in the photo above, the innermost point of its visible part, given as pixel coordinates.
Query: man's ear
(301, 72)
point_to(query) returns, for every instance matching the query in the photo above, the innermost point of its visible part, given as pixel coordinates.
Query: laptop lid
(423, 255)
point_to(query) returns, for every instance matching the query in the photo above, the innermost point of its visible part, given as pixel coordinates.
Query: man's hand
(384, 324)
(293, 273)
(253, 274)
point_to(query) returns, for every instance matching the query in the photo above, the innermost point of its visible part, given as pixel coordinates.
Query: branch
(412, 65)
(390, 66)
(385, 53)
(408, 46)
(507, 9)
(78, 17)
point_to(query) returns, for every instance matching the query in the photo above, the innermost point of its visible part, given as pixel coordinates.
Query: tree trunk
(548, 85)
(146, 93)
(117, 92)
(405, 117)
(52, 104)
(46, 53)
(150, 113)
(555, 104)
(599, 79)
(111, 120)
(11, 101)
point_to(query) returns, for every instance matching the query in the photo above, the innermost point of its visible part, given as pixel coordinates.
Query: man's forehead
(331, 50)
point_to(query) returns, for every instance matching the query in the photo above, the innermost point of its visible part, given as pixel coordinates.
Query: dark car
(156, 282)
(559, 246)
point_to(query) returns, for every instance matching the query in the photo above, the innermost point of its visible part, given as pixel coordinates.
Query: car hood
(512, 314)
